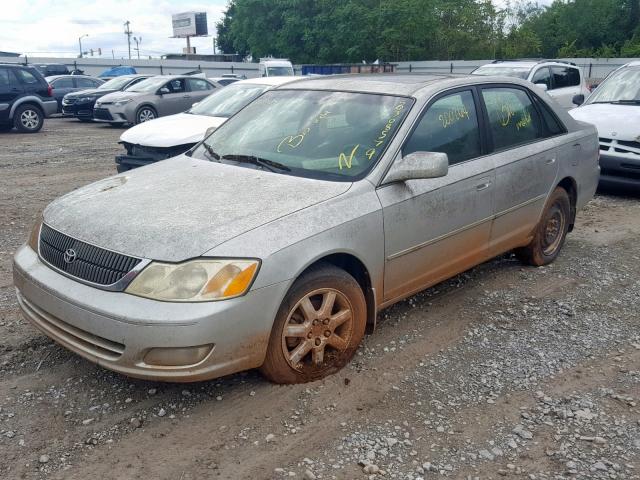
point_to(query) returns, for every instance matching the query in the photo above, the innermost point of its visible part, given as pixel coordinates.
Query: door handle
(483, 186)
(186, 96)
(550, 161)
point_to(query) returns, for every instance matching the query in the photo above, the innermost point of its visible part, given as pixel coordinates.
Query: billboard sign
(189, 24)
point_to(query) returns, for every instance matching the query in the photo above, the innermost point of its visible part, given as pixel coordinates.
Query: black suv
(25, 98)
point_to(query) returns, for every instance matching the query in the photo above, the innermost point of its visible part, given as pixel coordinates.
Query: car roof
(54, 77)
(527, 63)
(383, 83)
(635, 63)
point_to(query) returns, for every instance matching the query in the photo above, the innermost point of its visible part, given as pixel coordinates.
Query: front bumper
(110, 113)
(116, 330)
(78, 110)
(619, 170)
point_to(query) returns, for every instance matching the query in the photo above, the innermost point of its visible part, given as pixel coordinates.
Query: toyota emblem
(70, 256)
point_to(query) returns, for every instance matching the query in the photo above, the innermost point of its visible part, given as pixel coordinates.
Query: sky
(52, 27)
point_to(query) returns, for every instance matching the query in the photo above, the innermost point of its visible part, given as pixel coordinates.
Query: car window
(85, 83)
(5, 77)
(551, 123)
(26, 77)
(62, 83)
(542, 76)
(199, 85)
(449, 126)
(565, 77)
(176, 86)
(513, 120)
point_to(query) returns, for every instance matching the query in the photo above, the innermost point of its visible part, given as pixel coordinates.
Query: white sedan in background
(169, 136)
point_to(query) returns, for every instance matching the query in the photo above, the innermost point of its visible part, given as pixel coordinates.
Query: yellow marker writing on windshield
(347, 160)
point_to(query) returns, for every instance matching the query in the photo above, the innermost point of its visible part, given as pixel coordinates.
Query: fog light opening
(177, 357)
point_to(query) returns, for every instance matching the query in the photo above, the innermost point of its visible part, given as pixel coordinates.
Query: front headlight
(84, 99)
(122, 102)
(34, 238)
(202, 280)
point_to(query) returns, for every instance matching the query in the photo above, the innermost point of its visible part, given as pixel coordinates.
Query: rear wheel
(550, 233)
(318, 327)
(144, 114)
(28, 119)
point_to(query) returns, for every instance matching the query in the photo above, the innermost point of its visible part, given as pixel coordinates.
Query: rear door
(199, 89)
(10, 90)
(525, 158)
(566, 84)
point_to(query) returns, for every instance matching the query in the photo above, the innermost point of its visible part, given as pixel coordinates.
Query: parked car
(274, 241)
(25, 98)
(64, 84)
(152, 98)
(80, 104)
(561, 80)
(224, 81)
(50, 69)
(614, 108)
(169, 136)
(275, 67)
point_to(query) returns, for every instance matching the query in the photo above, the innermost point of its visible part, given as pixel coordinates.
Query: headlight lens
(84, 99)
(124, 101)
(203, 280)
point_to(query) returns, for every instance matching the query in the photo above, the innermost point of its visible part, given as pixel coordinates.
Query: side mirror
(578, 99)
(163, 91)
(542, 86)
(418, 165)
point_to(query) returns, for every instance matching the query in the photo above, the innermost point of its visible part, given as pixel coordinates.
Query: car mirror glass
(418, 165)
(578, 99)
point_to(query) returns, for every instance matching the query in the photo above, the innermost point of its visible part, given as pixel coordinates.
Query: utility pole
(214, 45)
(138, 42)
(80, 43)
(128, 33)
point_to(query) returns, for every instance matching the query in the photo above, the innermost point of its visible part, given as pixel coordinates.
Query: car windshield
(318, 134)
(115, 83)
(229, 100)
(148, 85)
(623, 86)
(518, 72)
(280, 71)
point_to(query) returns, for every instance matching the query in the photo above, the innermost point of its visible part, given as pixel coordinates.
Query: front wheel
(144, 114)
(318, 327)
(551, 231)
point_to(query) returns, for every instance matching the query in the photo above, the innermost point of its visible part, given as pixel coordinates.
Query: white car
(170, 136)
(561, 80)
(614, 108)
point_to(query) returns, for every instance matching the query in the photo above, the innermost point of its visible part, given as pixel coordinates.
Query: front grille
(70, 335)
(619, 146)
(156, 153)
(91, 263)
(102, 114)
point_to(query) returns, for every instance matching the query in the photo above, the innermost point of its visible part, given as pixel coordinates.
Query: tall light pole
(128, 33)
(80, 42)
(138, 42)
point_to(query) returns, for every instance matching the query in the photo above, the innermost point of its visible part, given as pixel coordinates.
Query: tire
(318, 343)
(551, 231)
(28, 118)
(145, 113)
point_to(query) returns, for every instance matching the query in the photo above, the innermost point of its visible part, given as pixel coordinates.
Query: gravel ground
(503, 371)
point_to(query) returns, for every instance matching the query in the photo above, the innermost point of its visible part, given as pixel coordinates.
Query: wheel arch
(143, 105)
(355, 267)
(27, 100)
(571, 187)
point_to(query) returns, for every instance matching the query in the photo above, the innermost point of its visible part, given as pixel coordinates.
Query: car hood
(180, 208)
(171, 131)
(621, 122)
(91, 92)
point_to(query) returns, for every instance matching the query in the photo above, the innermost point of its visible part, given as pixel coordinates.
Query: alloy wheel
(30, 119)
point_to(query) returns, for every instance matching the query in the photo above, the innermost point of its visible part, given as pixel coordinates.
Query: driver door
(173, 101)
(436, 228)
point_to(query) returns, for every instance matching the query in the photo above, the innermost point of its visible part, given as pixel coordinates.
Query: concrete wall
(95, 66)
(594, 68)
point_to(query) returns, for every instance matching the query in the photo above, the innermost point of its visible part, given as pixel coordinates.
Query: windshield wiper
(253, 160)
(212, 153)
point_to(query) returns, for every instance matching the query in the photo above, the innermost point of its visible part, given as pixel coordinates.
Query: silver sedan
(275, 241)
